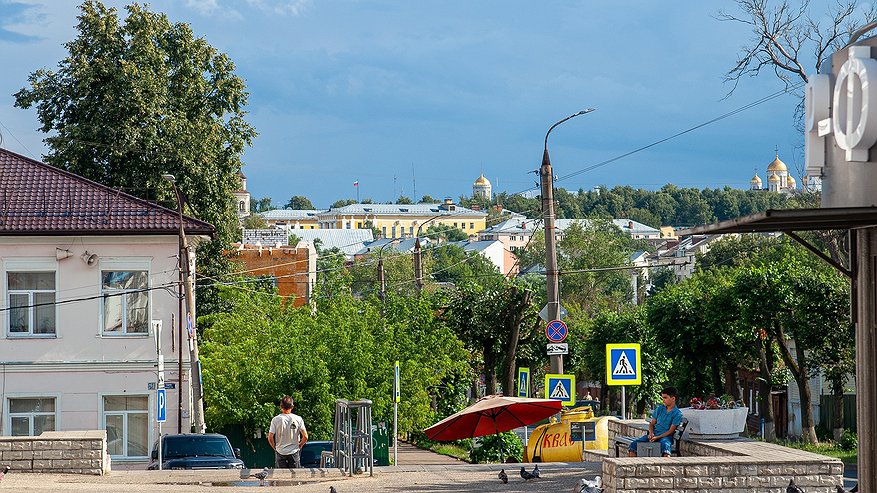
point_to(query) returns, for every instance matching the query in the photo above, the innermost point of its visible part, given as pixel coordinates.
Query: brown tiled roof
(39, 199)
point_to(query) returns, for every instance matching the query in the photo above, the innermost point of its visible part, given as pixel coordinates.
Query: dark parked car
(191, 451)
(310, 453)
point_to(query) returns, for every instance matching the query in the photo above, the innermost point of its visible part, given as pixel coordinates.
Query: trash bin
(381, 444)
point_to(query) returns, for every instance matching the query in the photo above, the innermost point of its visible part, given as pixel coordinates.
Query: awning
(789, 220)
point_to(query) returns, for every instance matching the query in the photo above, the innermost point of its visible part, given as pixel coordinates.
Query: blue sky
(371, 90)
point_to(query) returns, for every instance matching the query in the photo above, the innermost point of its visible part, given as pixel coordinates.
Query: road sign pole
(397, 394)
(159, 445)
(623, 403)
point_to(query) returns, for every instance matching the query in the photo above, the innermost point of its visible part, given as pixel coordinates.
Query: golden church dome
(482, 181)
(777, 165)
(773, 178)
(791, 182)
(756, 180)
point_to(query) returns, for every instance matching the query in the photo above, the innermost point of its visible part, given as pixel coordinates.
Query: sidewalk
(411, 455)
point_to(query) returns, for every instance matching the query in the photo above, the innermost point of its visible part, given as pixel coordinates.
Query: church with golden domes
(482, 188)
(778, 178)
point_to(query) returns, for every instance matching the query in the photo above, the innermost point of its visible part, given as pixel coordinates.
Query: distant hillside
(670, 205)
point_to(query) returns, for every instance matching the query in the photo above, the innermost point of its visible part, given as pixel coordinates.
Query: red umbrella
(492, 414)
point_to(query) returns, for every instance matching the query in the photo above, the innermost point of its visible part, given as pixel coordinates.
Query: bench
(625, 441)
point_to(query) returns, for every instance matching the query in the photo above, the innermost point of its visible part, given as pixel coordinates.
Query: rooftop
(39, 199)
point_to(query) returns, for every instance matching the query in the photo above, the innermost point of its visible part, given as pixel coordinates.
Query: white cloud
(288, 7)
(205, 7)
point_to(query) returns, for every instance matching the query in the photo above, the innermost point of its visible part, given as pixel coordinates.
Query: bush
(498, 448)
(848, 441)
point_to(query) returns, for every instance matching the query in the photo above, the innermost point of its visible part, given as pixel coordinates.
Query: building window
(358, 225)
(125, 302)
(240, 206)
(126, 419)
(394, 231)
(383, 231)
(31, 416)
(471, 225)
(455, 225)
(411, 230)
(31, 302)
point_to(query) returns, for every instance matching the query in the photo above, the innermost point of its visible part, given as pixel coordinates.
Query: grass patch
(828, 448)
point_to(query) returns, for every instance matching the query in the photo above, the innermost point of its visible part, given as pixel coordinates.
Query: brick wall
(738, 465)
(75, 452)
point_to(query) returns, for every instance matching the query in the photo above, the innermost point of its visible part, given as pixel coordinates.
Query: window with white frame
(31, 302)
(30, 416)
(125, 301)
(126, 419)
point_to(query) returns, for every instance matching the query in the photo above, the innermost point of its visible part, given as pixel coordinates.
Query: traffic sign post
(561, 388)
(556, 331)
(397, 396)
(161, 417)
(623, 367)
(523, 382)
(557, 348)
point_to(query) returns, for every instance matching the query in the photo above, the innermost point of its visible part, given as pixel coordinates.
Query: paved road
(411, 455)
(452, 478)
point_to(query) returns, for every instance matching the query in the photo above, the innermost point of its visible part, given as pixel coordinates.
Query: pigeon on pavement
(793, 488)
(586, 486)
(536, 472)
(261, 475)
(332, 489)
(5, 471)
(503, 476)
(526, 474)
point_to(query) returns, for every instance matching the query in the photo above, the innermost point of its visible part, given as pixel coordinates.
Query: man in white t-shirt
(287, 436)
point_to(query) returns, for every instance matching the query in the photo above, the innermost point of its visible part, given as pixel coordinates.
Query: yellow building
(403, 220)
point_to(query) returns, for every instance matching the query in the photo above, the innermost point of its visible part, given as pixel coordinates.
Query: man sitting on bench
(665, 419)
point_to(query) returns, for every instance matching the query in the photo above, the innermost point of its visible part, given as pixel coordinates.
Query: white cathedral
(778, 178)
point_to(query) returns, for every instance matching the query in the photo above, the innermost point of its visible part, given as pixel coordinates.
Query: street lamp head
(168, 177)
(585, 111)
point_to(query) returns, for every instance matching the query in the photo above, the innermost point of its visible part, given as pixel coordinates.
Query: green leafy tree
(141, 96)
(627, 326)
(261, 205)
(427, 199)
(445, 232)
(587, 245)
(299, 203)
(489, 317)
(254, 221)
(404, 200)
(343, 202)
(345, 350)
(138, 97)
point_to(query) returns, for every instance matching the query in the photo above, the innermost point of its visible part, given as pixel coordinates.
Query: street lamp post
(418, 259)
(552, 291)
(194, 361)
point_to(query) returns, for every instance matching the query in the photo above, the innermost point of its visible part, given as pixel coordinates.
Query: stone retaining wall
(738, 465)
(75, 452)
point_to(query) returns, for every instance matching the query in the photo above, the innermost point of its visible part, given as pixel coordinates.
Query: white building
(89, 274)
(515, 233)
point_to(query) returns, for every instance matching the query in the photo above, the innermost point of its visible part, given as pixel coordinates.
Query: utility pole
(381, 278)
(194, 361)
(418, 263)
(552, 291)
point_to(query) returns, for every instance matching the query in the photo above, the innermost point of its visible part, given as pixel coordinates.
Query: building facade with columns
(403, 220)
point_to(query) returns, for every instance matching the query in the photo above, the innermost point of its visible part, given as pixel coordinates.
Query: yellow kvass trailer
(565, 441)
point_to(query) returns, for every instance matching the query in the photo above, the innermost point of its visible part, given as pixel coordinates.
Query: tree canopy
(299, 203)
(139, 97)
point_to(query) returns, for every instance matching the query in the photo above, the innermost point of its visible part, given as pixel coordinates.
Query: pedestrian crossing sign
(523, 382)
(561, 388)
(623, 364)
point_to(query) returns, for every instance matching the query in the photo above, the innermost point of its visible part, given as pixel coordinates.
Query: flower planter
(715, 423)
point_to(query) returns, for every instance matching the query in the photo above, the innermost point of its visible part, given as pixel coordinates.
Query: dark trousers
(291, 461)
